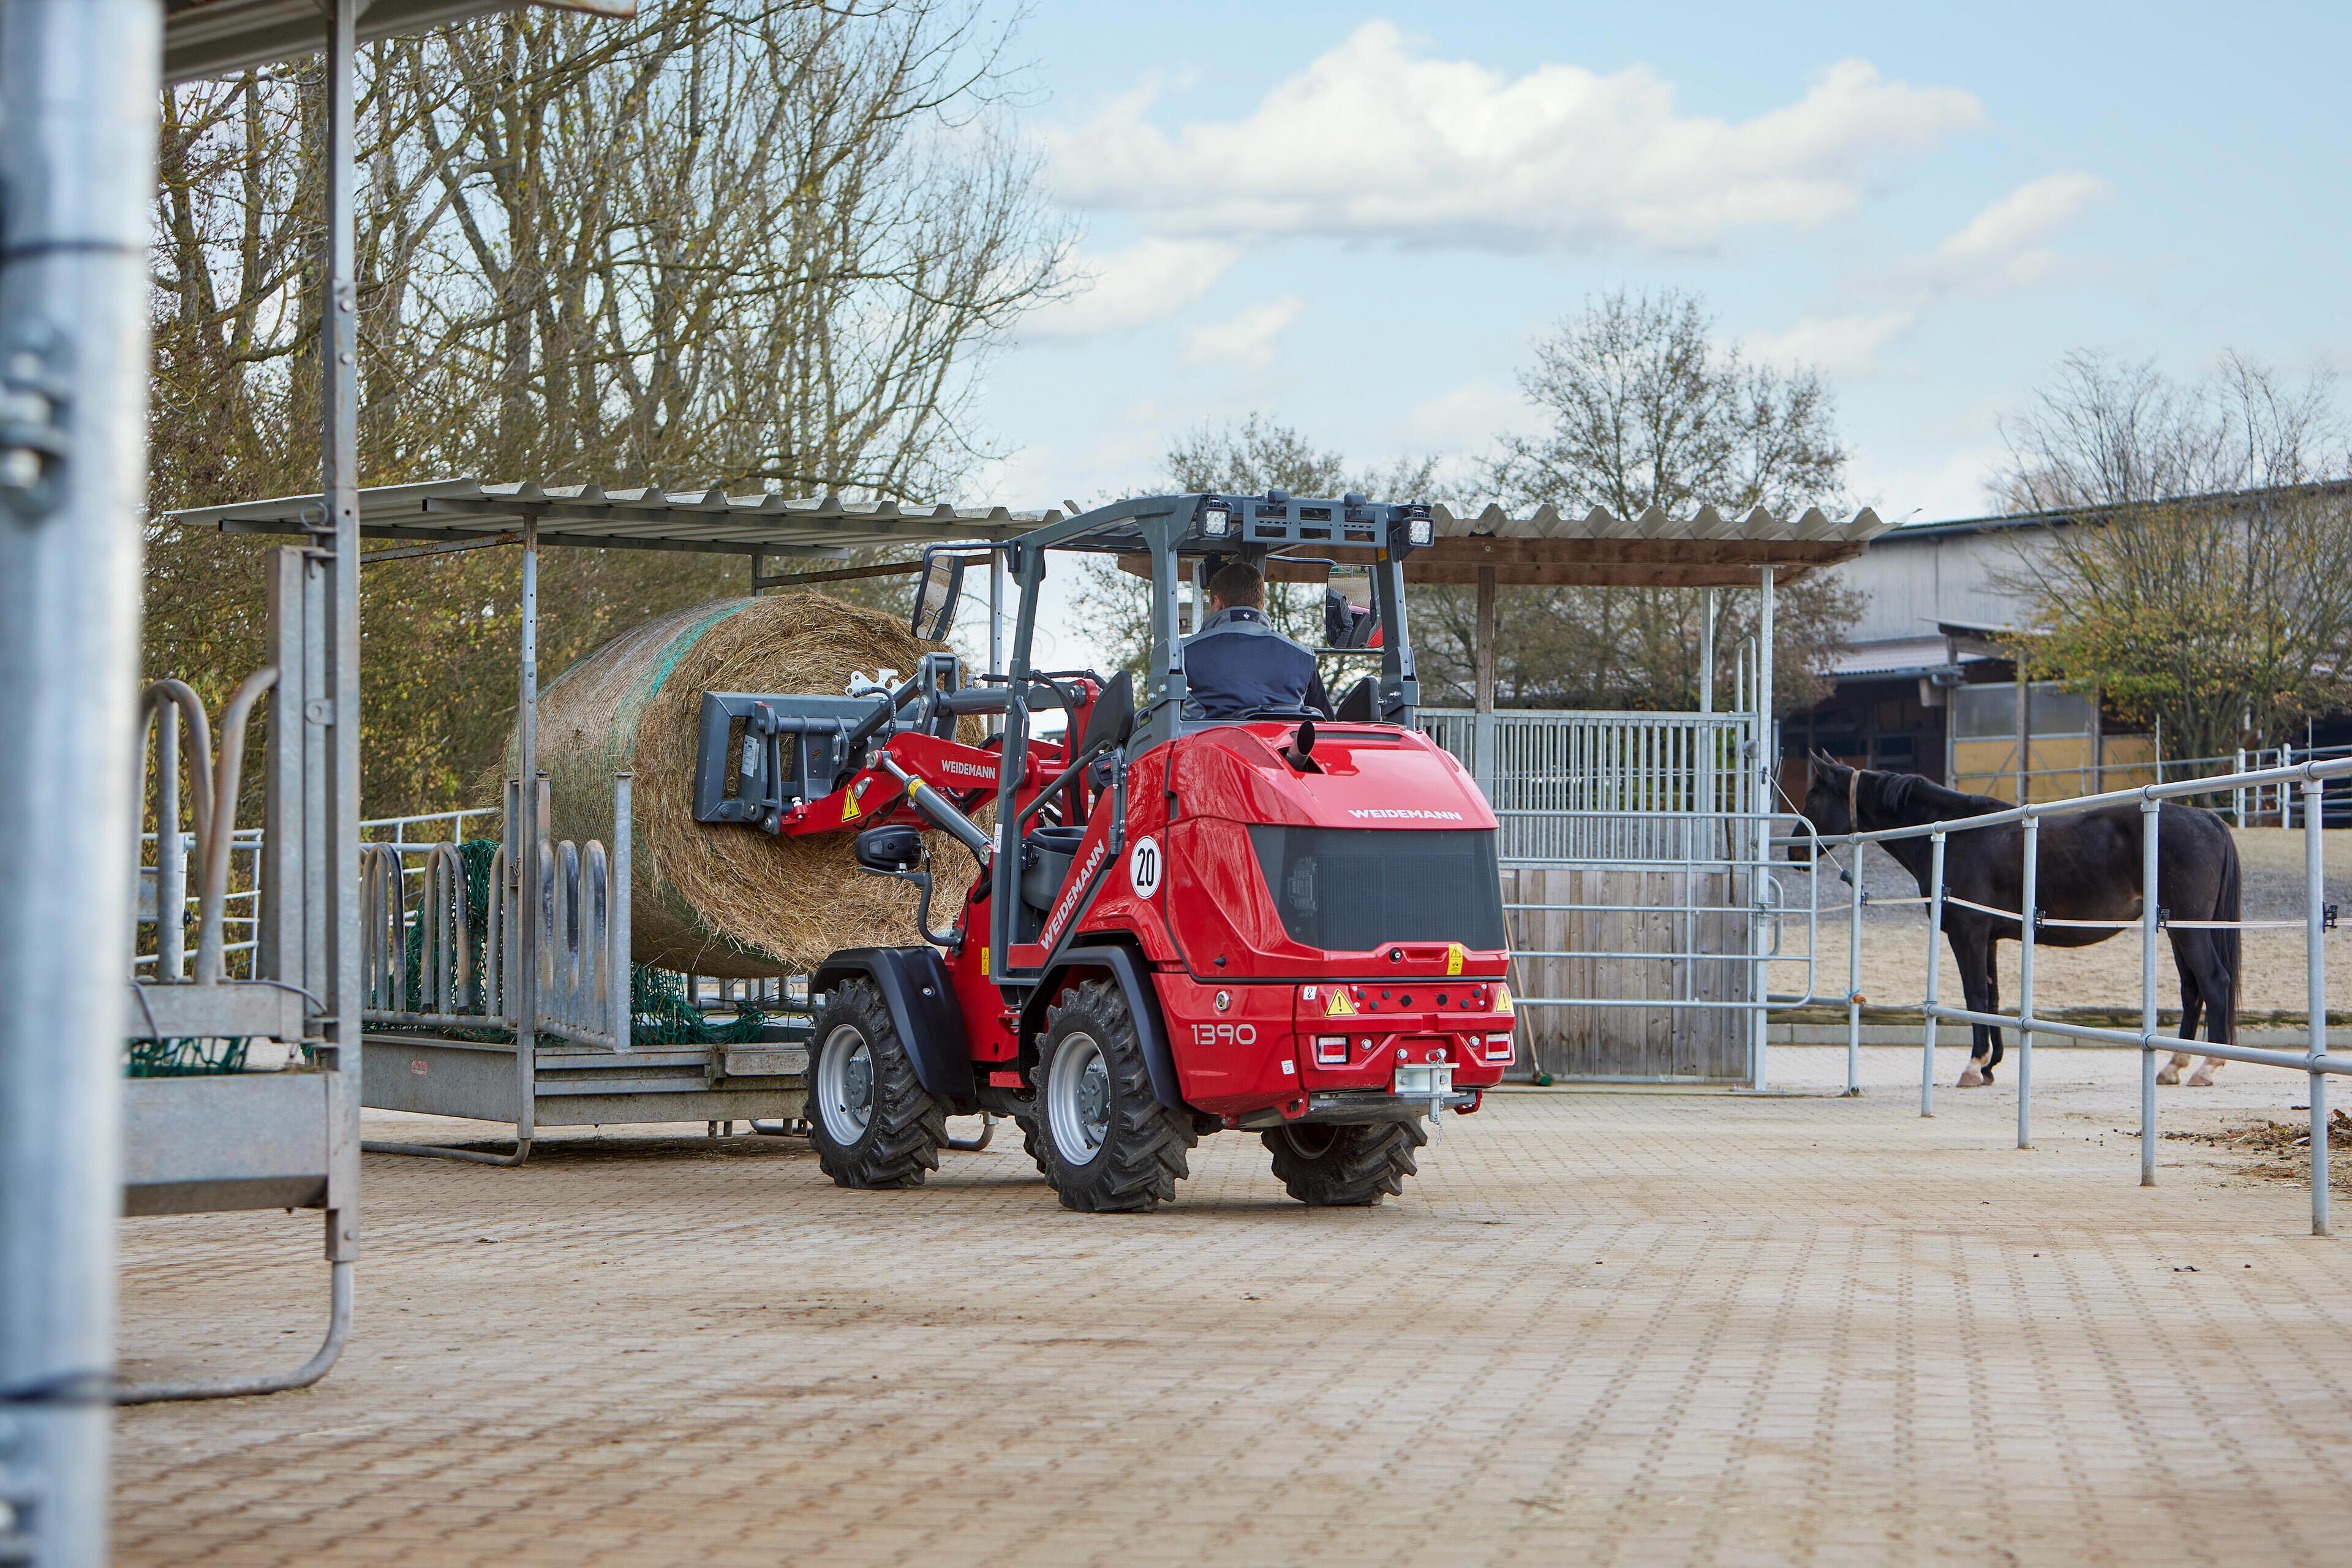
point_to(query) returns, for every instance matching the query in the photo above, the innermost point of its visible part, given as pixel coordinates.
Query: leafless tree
(1249, 457)
(2108, 431)
(1643, 408)
(761, 244)
(2203, 578)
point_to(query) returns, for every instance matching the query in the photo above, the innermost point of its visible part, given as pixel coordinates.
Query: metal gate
(1636, 877)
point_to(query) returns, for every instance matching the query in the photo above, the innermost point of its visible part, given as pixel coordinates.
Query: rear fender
(1127, 971)
(915, 988)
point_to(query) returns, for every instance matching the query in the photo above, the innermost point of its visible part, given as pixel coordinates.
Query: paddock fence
(2302, 785)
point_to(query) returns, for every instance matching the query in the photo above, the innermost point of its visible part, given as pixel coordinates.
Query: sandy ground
(1599, 1328)
(1893, 941)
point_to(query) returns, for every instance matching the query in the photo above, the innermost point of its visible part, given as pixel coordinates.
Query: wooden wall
(1706, 1045)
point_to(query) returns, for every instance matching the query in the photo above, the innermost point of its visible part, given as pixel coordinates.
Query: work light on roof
(1421, 531)
(1216, 521)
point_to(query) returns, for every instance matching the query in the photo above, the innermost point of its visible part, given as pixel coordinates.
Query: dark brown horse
(2089, 870)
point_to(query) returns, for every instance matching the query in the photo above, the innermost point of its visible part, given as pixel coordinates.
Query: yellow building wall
(2063, 766)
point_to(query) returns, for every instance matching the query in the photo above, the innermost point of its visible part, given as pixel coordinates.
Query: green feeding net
(183, 1059)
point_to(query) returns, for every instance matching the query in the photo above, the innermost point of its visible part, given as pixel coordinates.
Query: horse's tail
(2229, 944)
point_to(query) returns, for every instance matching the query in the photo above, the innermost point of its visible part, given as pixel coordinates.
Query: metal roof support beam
(589, 541)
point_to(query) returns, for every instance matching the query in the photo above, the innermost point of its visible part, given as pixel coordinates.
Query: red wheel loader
(1283, 923)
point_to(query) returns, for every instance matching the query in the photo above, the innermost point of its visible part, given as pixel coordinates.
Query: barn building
(1925, 686)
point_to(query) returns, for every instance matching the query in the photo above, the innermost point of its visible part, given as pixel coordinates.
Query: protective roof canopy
(211, 37)
(1545, 548)
(644, 518)
(1706, 549)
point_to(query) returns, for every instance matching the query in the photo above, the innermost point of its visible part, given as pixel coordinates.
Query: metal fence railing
(2308, 780)
(1574, 785)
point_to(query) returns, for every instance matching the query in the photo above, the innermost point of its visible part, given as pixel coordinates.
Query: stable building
(1925, 685)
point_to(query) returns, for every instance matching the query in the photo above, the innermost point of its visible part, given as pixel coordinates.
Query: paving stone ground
(1604, 1328)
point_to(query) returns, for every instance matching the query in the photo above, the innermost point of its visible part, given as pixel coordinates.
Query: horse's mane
(1910, 799)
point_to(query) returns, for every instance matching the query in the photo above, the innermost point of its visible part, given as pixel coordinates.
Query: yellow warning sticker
(1338, 1005)
(984, 959)
(849, 805)
(1454, 957)
(1503, 1001)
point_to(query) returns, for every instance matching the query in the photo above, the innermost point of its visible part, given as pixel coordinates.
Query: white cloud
(1376, 139)
(2001, 246)
(1997, 250)
(1133, 287)
(1952, 485)
(1469, 416)
(1835, 346)
(1248, 339)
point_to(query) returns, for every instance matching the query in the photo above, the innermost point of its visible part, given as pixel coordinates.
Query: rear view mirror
(937, 592)
(1113, 718)
(893, 849)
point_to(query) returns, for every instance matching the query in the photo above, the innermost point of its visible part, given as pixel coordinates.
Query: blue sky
(1357, 220)
(1294, 209)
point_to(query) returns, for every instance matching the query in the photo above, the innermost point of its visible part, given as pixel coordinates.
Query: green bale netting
(183, 1059)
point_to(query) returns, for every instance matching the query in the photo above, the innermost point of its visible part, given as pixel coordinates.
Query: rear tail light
(1498, 1047)
(1331, 1050)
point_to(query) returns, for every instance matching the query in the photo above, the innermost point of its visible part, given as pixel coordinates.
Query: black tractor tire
(1033, 1143)
(1329, 1166)
(895, 1143)
(1139, 1149)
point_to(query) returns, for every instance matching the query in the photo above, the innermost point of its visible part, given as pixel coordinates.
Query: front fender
(915, 988)
(1134, 983)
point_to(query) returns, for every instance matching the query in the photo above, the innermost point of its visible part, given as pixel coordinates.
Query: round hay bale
(724, 899)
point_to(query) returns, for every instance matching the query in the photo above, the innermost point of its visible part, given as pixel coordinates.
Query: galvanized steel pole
(2151, 812)
(1768, 757)
(2314, 966)
(1935, 972)
(339, 487)
(2028, 908)
(1854, 976)
(529, 886)
(78, 80)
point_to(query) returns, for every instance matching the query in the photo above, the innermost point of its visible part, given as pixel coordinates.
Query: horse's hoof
(2200, 1079)
(1971, 1078)
(2168, 1077)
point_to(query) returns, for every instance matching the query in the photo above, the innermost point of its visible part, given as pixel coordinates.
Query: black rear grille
(1349, 890)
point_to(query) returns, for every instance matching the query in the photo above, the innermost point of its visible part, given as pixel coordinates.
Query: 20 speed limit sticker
(1143, 867)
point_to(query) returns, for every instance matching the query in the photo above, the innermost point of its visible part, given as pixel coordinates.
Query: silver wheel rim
(1077, 1099)
(845, 1084)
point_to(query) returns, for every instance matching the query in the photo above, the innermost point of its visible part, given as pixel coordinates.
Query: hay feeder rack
(552, 972)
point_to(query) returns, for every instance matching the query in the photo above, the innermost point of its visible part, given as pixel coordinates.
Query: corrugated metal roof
(1902, 655)
(212, 37)
(638, 517)
(1812, 525)
(1705, 549)
(2211, 500)
(1542, 547)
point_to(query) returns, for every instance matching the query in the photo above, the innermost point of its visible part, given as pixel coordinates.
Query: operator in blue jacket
(1238, 667)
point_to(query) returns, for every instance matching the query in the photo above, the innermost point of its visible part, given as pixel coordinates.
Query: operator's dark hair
(1240, 585)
